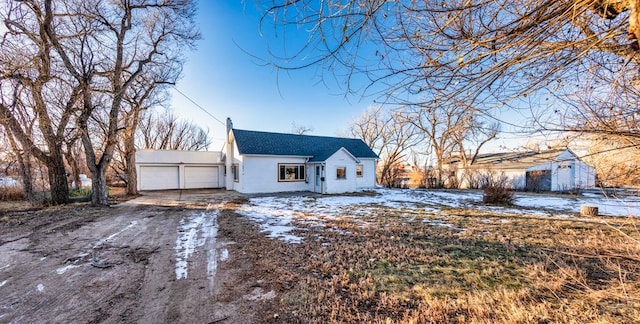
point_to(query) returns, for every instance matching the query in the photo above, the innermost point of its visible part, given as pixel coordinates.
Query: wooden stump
(586, 210)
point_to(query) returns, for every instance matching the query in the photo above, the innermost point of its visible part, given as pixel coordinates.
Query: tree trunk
(27, 176)
(130, 151)
(24, 161)
(132, 180)
(75, 168)
(58, 183)
(100, 192)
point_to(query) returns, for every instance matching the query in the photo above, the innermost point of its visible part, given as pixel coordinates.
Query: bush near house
(496, 190)
(11, 193)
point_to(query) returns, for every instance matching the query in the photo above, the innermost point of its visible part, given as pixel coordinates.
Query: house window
(341, 172)
(359, 171)
(291, 172)
(234, 172)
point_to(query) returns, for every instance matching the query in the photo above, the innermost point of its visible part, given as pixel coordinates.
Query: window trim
(345, 173)
(302, 172)
(359, 167)
(235, 172)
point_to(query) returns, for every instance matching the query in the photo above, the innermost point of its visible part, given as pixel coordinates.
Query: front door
(317, 186)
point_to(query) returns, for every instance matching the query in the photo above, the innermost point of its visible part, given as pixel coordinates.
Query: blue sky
(226, 77)
(226, 81)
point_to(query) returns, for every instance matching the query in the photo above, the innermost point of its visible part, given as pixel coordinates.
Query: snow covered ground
(276, 215)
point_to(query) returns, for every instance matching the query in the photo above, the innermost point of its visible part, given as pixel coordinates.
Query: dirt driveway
(174, 256)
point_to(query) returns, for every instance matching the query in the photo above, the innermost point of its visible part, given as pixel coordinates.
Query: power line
(195, 103)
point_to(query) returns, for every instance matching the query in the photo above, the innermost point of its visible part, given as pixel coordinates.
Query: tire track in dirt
(118, 264)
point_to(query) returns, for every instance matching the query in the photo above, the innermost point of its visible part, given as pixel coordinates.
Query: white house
(260, 162)
(550, 170)
(263, 162)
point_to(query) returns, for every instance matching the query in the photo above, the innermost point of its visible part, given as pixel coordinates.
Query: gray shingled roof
(319, 148)
(516, 160)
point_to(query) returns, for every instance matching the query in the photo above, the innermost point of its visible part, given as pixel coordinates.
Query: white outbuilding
(549, 170)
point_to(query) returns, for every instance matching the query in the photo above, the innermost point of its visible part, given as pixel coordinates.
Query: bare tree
(34, 93)
(23, 158)
(300, 129)
(164, 131)
(101, 48)
(147, 92)
(389, 135)
(456, 49)
(489, 54)
(451, 129)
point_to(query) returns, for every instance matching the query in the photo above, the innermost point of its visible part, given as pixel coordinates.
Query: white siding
(177, 157)
(334, 185)
(232, 158)
(260, 174)
(585, 176)
(562, 175)
(516, 178)
(368, 179)
(568, 172)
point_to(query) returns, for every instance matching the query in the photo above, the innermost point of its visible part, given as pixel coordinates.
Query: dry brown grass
(11, 193)
(486, 269)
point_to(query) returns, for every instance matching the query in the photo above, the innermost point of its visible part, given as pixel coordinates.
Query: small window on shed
(341, 172)
(359, 170)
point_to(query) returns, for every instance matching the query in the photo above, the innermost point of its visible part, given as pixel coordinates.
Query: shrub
(11, 193)
(497, 195)
(80, 195)
(496, 189)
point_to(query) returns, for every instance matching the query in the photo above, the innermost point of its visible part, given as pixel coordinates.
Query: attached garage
(197, 177)
(164, 170)
(158, 177)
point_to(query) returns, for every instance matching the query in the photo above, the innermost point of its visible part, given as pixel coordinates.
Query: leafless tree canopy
(389, 135)
(464, 50)
(74, 62)
(494, 56)
(165, 131)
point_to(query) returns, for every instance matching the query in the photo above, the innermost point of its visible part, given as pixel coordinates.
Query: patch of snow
(43, 258)
(114, 235)
(3, 283)
(64, 269)
(197, 230)
(278, 216)
(273, 219)
(4, 267)
(627, 206)
(438, 222)
(40, 288)
(210, 234)
(224, 255)
(257, 294)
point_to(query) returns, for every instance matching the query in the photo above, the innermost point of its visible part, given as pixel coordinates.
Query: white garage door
(201, 177)
(159, 178)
